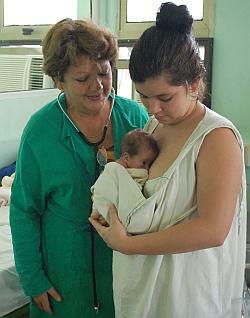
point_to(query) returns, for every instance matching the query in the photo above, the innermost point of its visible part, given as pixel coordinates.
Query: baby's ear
(125, 157)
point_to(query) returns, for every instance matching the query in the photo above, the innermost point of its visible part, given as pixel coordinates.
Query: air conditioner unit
(23, 72)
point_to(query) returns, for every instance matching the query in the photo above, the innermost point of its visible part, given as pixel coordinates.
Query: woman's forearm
(185, 237)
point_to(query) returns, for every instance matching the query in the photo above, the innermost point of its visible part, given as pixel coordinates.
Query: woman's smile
(95, 98)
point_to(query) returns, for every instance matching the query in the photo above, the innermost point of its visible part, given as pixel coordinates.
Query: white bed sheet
(11, 294)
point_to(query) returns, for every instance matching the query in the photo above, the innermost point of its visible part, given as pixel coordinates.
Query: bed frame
(15, 110)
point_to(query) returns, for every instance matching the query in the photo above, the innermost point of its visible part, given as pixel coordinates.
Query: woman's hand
(42, 300)
(114, 234)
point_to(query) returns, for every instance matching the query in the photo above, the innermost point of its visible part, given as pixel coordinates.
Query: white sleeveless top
(200, 284)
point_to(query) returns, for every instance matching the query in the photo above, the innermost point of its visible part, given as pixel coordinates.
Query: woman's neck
(91, 125)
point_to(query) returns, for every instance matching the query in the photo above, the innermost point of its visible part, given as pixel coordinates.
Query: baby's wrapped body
(123, 188)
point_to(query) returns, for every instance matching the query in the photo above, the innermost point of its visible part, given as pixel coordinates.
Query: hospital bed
(15, 110)
(11, 294)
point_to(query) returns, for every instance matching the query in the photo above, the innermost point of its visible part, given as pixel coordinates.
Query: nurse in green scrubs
(63, 265)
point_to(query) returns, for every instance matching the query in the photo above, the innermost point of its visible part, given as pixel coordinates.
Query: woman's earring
(194, 95)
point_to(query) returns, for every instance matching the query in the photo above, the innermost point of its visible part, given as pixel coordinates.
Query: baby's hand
(115, 234)
(99, 218)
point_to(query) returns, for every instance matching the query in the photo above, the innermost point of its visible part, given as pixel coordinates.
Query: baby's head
(138, 149)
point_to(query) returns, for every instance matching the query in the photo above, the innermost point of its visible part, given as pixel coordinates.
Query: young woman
(194, 268)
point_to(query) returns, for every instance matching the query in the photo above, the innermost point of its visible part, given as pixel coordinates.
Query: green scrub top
(50, 205)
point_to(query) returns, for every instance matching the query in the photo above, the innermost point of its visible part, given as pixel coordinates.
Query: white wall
(15, 110)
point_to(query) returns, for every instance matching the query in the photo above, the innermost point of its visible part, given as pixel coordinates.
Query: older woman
(63, 265)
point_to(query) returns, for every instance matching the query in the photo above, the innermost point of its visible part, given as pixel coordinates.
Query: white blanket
(5, 196)
(11, 294)
(137, 213)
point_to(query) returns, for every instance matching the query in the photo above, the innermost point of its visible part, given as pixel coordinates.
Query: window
(57, 10)
(134, 20)
(135, 14)
(23, 24)
(30, 20)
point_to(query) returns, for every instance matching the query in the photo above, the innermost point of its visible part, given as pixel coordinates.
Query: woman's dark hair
(168, 48)
(68, 39)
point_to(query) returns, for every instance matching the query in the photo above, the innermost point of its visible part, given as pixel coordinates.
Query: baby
(138, 151)
(128, 174)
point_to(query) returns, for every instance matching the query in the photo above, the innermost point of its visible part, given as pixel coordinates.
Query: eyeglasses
(102, 156)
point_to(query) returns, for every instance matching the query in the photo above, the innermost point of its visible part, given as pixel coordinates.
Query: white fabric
(5, 196)
(116, 185)
(11, 294)
(8, 180)
(139, 175)
(206, 283)
(15, 110)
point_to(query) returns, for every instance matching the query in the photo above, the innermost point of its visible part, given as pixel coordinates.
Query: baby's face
(143, 159)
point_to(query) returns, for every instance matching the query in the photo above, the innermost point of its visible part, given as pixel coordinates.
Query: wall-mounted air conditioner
(23, 72)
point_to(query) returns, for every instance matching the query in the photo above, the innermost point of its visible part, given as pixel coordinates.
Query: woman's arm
(219, 173)
(26, 207)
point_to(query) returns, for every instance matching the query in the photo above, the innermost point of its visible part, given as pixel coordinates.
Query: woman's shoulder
(213, 129)
(128, 104)
(45, 110)
(123, 101)
(131, 108)
(42, 119)
(213, 118)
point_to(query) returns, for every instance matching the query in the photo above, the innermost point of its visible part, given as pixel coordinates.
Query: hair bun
(173, 17)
